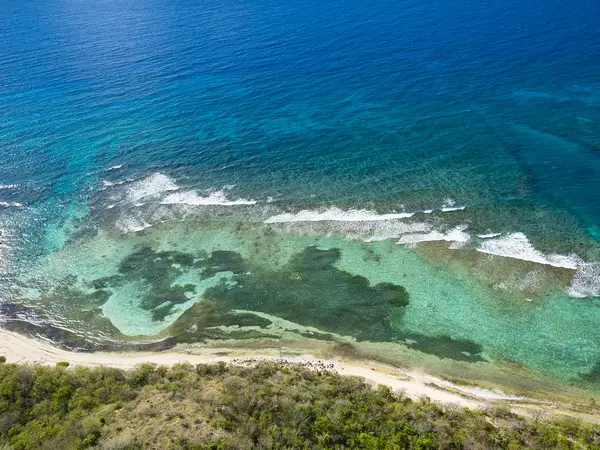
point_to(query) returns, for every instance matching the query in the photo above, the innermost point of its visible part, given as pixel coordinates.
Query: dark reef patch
(101, 283)
(396, 295)
(311, 291)
(445, 347)
(158, 271)
(161, 299)
(200, 322)
(319, 336)
(149, 265)
(222, 261)
(593, 376)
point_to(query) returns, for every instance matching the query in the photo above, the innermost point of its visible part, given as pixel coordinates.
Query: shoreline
(20, 349)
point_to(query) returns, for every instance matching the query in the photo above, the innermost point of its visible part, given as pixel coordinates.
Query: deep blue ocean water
(377, 98)
(117, 116)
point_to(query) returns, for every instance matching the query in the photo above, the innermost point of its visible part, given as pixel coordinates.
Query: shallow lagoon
(214, 277)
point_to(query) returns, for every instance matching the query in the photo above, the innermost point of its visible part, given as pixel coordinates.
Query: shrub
(268, 405)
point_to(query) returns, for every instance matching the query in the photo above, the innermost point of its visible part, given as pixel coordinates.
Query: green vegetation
(268, 405)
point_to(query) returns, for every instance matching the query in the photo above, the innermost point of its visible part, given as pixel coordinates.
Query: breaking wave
(151, 186)
(586, 280)
(195, 199)
(517, 246)
(336, 215)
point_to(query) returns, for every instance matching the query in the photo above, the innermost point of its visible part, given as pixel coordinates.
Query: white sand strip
(21, 349)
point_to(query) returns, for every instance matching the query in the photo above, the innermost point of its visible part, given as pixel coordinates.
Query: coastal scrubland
(260, 405)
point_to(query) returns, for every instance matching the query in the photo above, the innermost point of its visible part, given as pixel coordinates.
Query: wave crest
(517, 246)
(151, 186)
(195, 199)
(335, 214)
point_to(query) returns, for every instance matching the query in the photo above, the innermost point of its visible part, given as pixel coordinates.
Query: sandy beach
(25, 350)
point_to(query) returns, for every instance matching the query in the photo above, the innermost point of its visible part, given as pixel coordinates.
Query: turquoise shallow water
(420, 176)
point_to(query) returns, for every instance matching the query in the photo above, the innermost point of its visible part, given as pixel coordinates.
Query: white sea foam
(336, 215)
(130, 224)
(12, 204)
(455, 235)
(354, 224)
(450, 205)
(107, 183)
(150, 186)
(586, 282)
(452, 208)
(8, 186)
(393, 229)
(369, 225)
(195, 199)
(517, 246)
